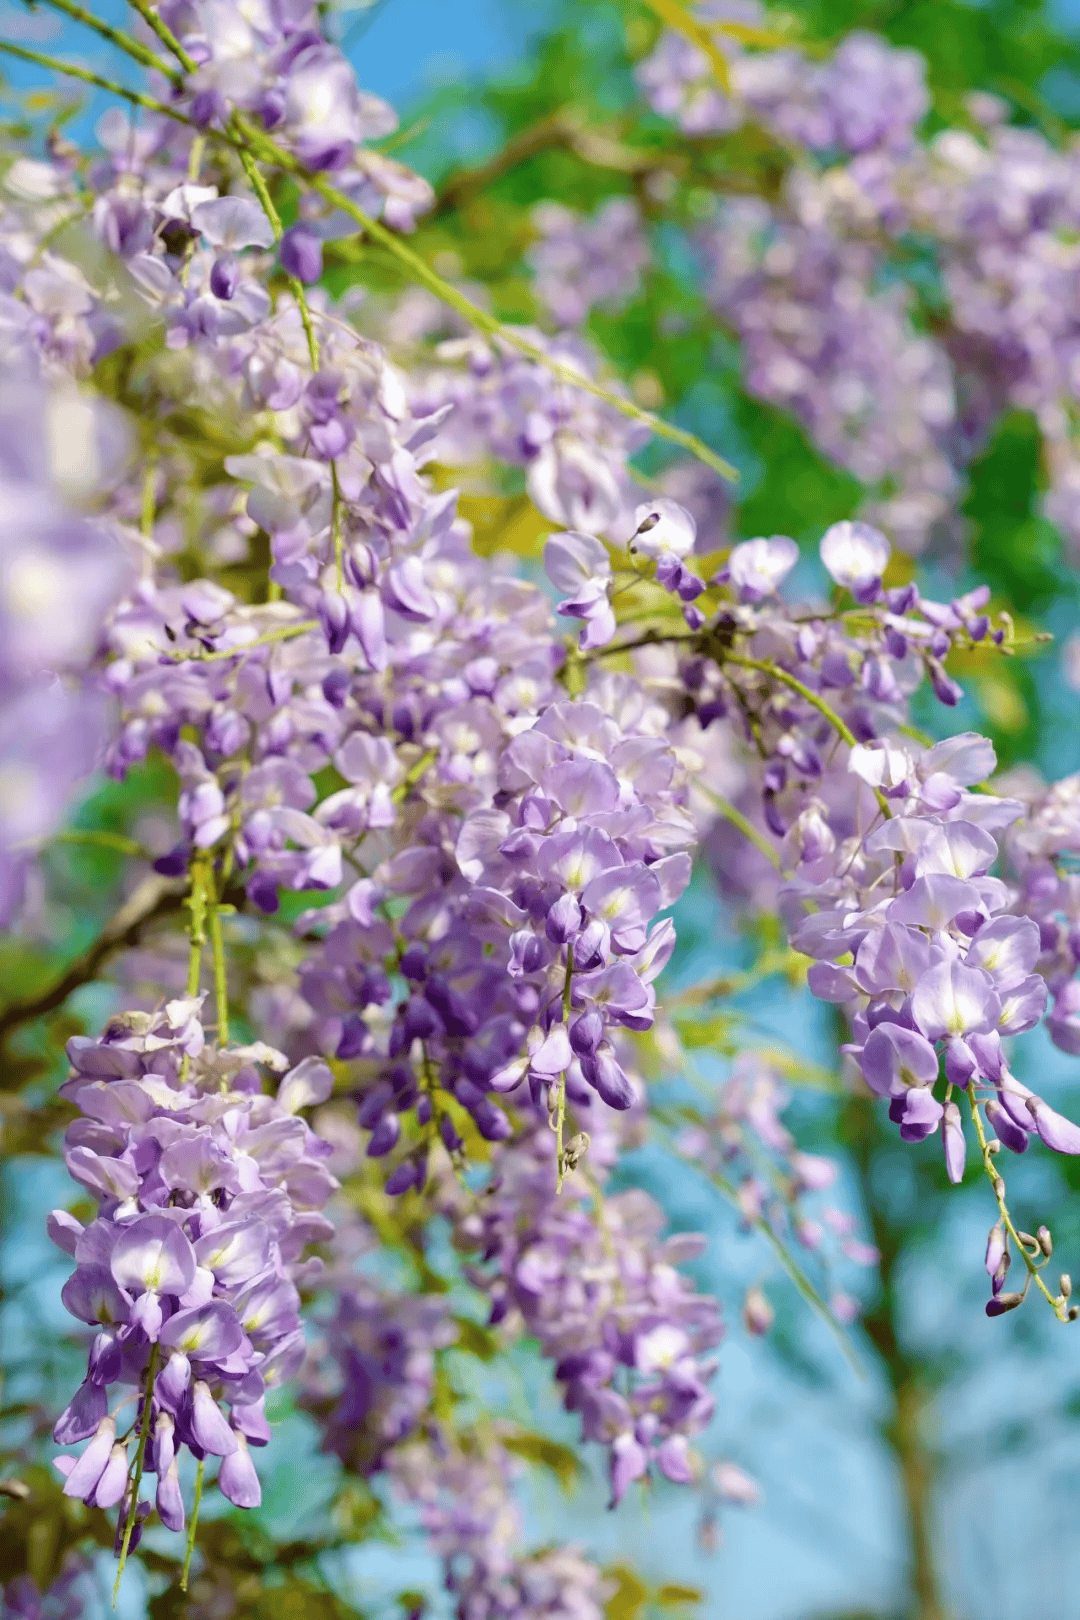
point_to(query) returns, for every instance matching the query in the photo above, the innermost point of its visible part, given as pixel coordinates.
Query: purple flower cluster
(491, 825)
(823, 339)
(59, 573)
(508, 408)
(597, 1285)
(208, 1192)
(777, 1183)
(582, 263)
(816, 283)
(68, 1596)
(370, 1380)
(463, 1487)
(1040, 846)
(867, 97)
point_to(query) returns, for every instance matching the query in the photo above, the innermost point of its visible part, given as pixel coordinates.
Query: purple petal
(208, 1424)
(674, 1460)
(91, 1464)
(894, 1056)
(92, 1295)
(952, 1000)
(169, 1502)
(208, 1333)
(1056, 1131)
(81, 1416)
(628, 1462)
(153, 1254)
(953, 1142)
(237, 1478)
(114, 1477)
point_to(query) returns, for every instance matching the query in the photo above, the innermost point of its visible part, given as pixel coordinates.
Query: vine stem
(418, 269)
(998, 1185)
(221, 980)
(124, 42)
(198, 904)
(137, 1473)
(193, 1526)
(744, 825)
(104, 840)
(839, 725)
(286, 633)
(296, 286)
(560, 1104)
(69, 71)
(413, 775)
(164, 33)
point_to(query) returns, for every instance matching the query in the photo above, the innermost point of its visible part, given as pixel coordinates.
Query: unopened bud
(999, 1187)
(995, 1248)
(1003, 1303)
(575, 1150)
(1065, 1285)
(1028, 1241)
(993, 1146)
(757, 1313)
(1046, 1242)
(1074, 1312)
(1000, 1272)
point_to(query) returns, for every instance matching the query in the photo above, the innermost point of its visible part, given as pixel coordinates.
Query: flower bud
(757, 1313)
(224, 276)
(995, 1248)
(301, 254)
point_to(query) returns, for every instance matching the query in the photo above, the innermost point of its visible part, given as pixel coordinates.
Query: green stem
(482, 322)
(335, 524)
(477, 318)
(140, 1456)
(677, 17)
(198, 903)
(560, 1104)
(746, 827)
(791, 1266)
(413, 776)
(221, 981)
(269, 208)
(105, 840)
(651, 638)
(165, 34)
(286, 633)
(193, 1526)
(1060, 1307)
(70, 71)
(840, 726)
(149, 498)
(124, 42)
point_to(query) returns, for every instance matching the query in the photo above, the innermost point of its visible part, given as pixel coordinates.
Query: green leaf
(631, 1595)
(557, 1459)
(475, 1339)
(672, 1594)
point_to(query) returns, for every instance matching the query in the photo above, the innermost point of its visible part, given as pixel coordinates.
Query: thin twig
(153, 898)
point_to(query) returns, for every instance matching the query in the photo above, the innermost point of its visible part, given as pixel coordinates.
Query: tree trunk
(912, 1387)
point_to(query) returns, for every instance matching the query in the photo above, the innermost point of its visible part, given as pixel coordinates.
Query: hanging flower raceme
(599, 1287)
(463, 1486)
(209, 1193)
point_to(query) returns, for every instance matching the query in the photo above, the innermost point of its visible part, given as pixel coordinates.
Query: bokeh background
(930, 1465)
